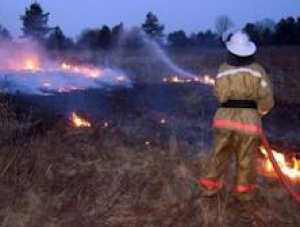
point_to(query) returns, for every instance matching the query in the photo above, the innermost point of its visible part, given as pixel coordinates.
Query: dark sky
(190, 15)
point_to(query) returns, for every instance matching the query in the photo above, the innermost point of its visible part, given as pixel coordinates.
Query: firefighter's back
(245, 83)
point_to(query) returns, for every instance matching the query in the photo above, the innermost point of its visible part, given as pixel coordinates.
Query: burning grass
(27, 68)
(110, 176)
(290, 166)
(79, 122)
(206, 79)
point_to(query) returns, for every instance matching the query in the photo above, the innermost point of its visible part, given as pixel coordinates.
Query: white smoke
(46, 83)
(152, 49)
(25, 68)
(161, 54)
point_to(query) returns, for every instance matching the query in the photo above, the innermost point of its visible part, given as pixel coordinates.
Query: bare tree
(223, 24)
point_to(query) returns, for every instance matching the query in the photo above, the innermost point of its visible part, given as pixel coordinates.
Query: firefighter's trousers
(243, 146)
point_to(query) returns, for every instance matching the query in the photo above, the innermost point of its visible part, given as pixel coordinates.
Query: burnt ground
(134, 172)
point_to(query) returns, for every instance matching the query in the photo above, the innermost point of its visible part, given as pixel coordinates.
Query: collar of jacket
(238, 61)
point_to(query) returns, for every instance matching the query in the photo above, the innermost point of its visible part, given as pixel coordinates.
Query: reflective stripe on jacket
(243, 83)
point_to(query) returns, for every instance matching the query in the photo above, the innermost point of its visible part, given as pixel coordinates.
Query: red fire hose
(283, 179)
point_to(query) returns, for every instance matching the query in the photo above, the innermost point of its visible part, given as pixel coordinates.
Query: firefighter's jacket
(243, 83)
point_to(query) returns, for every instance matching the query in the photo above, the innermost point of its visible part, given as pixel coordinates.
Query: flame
(29, 69)
(163, 121)
(290, 168)
(47, 84)
(68, 88)
(206, 79)
(86, 70)
(29, 62)
(79, 122)
(19, 58)
(209, 80)
(32, 64)
(121, 78)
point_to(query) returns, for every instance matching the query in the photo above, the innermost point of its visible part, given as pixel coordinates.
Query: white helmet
(241, 45)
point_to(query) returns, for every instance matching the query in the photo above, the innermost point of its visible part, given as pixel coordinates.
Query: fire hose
(282, 178)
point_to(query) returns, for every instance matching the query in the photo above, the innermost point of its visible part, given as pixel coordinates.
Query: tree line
(35, 26)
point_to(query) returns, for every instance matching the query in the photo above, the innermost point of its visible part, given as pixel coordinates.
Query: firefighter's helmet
(240, 44)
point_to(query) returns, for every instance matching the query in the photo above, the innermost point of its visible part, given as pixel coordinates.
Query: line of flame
(206, 79)
(79, 122)
(289, 168)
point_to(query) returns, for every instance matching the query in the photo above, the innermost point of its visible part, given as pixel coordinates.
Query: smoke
(159, 53)
(153, 59)
(47, 83)
(25, 67)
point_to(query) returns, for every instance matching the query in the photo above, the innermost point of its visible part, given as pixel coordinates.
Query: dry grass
(103, 177)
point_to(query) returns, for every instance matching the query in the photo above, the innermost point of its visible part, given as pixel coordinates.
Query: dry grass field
(138, 174)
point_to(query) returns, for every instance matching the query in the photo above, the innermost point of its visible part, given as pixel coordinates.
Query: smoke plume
(26, 68)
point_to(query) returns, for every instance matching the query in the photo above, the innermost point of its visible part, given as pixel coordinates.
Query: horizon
(127, 14)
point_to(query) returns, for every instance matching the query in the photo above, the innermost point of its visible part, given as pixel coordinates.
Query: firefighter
(245, 94)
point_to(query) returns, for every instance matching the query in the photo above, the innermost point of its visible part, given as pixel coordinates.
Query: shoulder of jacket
(259, 68)
(227, 70)
(265, 80)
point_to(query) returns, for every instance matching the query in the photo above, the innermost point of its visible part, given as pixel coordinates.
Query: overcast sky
(191, 15)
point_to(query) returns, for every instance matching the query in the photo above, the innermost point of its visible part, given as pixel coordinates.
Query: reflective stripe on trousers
(210, 184)
(242, 146)
(244, 188)
(235, 125)
(216, 184)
